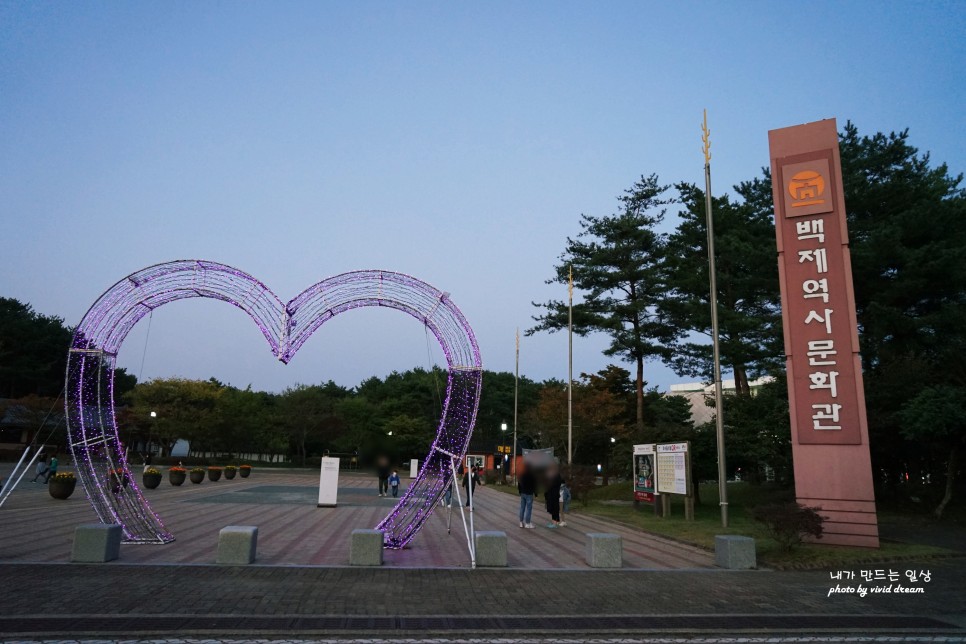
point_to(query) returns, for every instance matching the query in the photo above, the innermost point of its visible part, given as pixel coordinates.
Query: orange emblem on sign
(805, 188)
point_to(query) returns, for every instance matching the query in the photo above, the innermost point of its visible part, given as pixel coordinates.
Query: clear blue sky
(457, 142)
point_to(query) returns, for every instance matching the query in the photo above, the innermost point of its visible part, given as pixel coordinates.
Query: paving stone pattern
(293, 531)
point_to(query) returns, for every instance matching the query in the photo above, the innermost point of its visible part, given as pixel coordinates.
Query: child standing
(564, 502)
(394, 483)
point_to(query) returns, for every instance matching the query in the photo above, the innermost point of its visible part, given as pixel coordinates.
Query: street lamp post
(154, 425)
(503, 448)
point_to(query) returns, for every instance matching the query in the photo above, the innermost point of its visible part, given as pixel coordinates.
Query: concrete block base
(237, 544)
(734, 552)
(491, 548)
(604, 550)
(365, 547)
(96, 543)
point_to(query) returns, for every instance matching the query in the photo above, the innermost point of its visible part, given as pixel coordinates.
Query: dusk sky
(457, 142)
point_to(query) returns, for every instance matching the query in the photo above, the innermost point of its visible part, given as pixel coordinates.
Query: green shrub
(789, 523)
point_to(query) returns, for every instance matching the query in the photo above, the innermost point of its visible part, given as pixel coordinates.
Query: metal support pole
(516, 395)
(570, 369)
(12, 486)
(470, 537)
(718, 401)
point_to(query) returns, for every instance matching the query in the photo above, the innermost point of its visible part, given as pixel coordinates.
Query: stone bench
(734, 552)
(604, 550)
(237, 544)
(491, 548)
(96, 543)
(365, 547)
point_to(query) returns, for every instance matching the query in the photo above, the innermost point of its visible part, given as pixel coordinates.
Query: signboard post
(328, 482)
(645, 475)
(674, 476)
(830, 436)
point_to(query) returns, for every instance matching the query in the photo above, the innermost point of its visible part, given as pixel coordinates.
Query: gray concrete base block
(604, 550)
(237, 544)
(734, 552)
(96, 543)
(365, 547)
(491, 548)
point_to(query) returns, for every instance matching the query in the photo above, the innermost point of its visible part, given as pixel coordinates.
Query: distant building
(698, 394)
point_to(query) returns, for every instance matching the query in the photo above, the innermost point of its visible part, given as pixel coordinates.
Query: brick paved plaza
(301, 585)
(293, 531)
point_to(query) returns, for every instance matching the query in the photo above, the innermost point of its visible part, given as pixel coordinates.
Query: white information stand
(413, 468)
(329, 482)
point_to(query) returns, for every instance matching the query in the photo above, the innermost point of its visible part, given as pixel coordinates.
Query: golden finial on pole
(706, 138)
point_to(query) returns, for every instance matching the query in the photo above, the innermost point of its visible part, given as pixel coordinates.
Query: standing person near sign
(470, 480)
(394, 483)
(382, 471)
(552, 495)
(527, 487)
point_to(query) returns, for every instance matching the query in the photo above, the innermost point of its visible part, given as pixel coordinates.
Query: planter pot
(61, 489)
(151, 481)
(230, 474)
(176, 478)
(245, 471)
(214, 475)
(196, 477)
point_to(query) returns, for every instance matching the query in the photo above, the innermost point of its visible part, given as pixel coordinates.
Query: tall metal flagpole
(516, 396)
(570, 369)
(718, 403)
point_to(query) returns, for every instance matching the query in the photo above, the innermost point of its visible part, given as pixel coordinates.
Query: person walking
(394, 483)
(470, 480)
(382, 471)
(552, 495)
(41, 468)
(527, 487)
(52, 469)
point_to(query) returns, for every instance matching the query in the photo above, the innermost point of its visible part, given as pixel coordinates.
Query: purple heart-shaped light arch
(92, 429)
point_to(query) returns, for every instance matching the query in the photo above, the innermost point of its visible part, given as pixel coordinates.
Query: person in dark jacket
(383, 471)
(527, 487)
(470, 478)
(552, 495)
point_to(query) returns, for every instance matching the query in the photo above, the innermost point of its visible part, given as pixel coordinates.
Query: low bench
(96, 543)
(237, 544)
(604, 550)
(491, 549)
(734, 552)
(365, 547)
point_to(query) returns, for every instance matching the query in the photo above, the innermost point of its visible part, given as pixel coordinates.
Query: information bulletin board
(673, 469)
